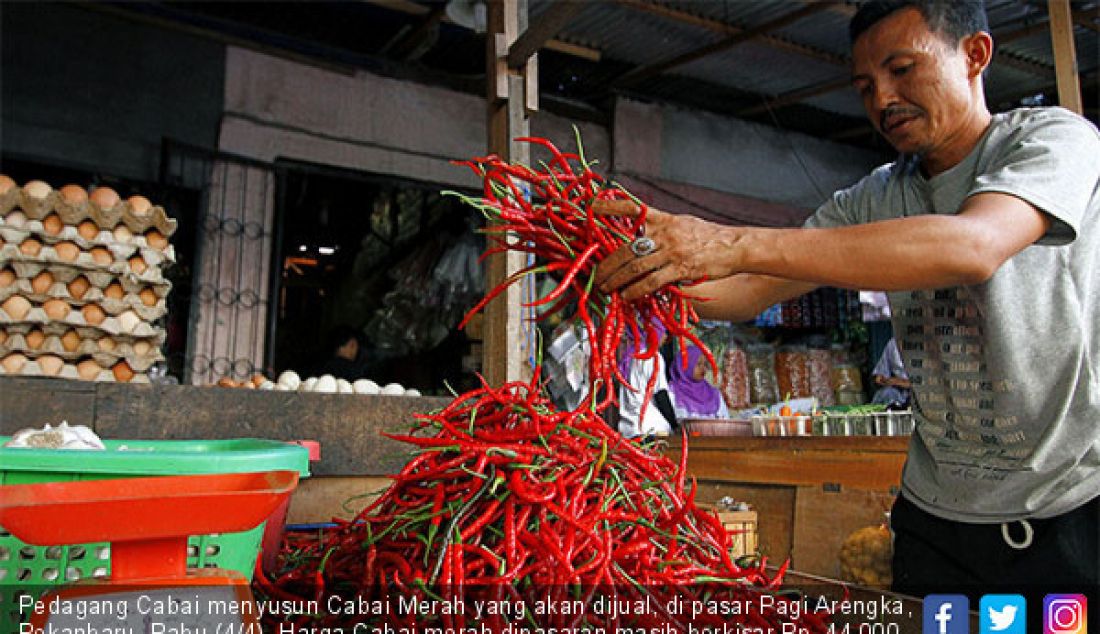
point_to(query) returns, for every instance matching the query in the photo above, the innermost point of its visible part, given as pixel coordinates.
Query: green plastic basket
(25, 565)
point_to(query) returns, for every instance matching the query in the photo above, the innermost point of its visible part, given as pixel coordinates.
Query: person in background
(985, 232)
(347, 354)
(891, 377)
(659, 415)
(692, 395)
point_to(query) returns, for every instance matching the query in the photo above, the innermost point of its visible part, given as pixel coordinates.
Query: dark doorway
(386, 257)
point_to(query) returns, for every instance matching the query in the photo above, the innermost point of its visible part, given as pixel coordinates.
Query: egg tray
(112, 306)
(12, 239)
(128, 323)
(106, 349)
(85, 332)
(150, 276)
(100, 279)
(88, 348)
(32, 367)
(73, 214)
(14, 234)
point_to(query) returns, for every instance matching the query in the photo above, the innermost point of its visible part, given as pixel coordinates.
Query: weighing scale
(147, 521)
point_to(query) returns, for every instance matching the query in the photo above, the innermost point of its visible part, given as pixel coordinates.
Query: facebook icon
(946, 614)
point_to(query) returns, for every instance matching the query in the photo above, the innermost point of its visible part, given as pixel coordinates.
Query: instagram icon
(1065, 614)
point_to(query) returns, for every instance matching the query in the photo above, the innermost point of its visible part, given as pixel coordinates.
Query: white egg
(343, 387)
(307, 385)
(129, 321)
(267, 385)
(412, 392)
(393, 389)
(326, 384)
(365, 386)
(290, 379)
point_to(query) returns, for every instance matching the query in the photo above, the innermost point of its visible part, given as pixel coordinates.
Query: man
(984, 232)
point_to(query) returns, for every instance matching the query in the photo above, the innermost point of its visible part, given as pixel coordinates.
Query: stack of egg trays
(81, 282)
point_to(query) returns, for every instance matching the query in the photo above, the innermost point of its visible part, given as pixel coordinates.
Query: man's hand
(687, 249)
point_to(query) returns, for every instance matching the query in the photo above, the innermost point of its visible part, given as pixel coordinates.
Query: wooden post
(1065, 55)
(504, 342)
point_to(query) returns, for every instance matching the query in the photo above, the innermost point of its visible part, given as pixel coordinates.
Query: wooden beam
(644, 72)
(407, 42)
(1039, 26)
(414, 8)
(503, 350)
(1088, 18)
(774, 41)
(796, 96)
(556, 16)
(1065, 55)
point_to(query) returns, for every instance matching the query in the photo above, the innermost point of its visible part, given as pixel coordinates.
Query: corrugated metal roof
(781, 65)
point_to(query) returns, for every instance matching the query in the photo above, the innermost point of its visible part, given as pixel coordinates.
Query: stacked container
(81, 282)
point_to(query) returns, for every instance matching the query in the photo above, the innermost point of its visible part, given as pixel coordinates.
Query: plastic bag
(763, 387)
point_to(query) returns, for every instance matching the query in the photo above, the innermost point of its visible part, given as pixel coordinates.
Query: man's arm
(744, 296)
(931, 251)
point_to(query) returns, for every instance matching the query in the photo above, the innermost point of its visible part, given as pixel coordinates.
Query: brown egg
(37, 189)
(56, 309)
(16, 219)
(122, 233)
(114, 291)
(7, 278)
(50, 365)
(88, 369)
(66, 251)
(52, 224)
(34, 339)
(107, 344)
(138, 265)
(148, 297)
(16, 307)
(42, 282)
(155, 239)
(142, 347)
(3, 337)
(140, 205)
(13, 363)
(102, 256)
(30, 247)
(104, 197)
(73, 194)
(78, 287)
(87, 230)
(93, 314)
(70, 341)
(227, 382)
(258, 380)
(123, 372)
(6, 183)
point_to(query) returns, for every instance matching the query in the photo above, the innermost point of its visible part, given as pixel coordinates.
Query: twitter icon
(1002, 614)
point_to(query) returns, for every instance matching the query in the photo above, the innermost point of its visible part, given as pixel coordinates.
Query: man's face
(915, 86)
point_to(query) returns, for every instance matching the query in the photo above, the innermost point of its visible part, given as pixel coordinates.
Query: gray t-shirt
(1006, 373)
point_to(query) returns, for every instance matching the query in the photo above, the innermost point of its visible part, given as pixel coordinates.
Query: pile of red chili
(510, 502)
(547, 212)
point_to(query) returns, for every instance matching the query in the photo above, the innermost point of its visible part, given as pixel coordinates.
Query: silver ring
(643, 246)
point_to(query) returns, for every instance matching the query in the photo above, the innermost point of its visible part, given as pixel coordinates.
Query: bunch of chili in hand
(546, 211)
(508, 499)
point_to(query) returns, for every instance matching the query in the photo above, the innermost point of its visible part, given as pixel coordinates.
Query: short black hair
(952, 19)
